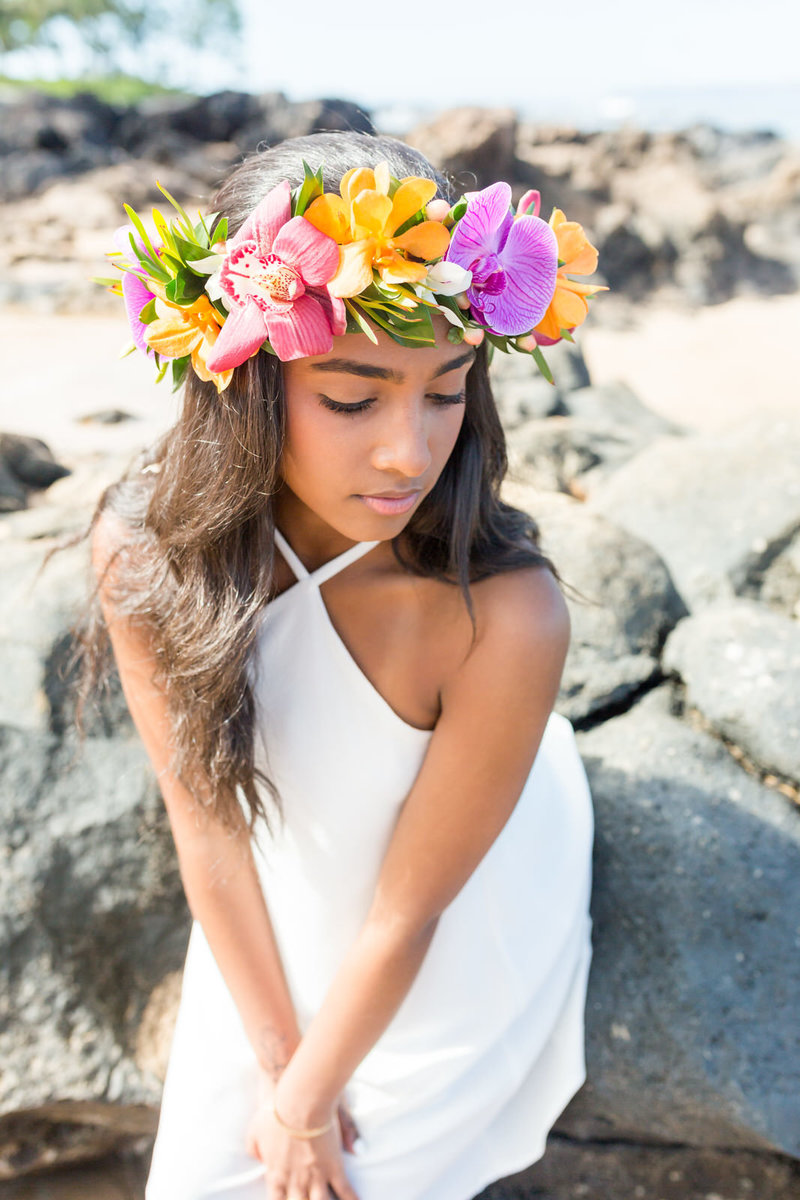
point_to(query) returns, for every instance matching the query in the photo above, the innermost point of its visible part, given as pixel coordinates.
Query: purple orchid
(272, 282)
(513, 261)
(135, 294)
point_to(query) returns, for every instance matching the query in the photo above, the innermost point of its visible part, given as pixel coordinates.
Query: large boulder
(740, 663)
(621, 599)
(692, 1007)
(94, 924)
(712, 505)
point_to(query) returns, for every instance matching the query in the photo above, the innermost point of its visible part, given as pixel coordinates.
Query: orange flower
(179, 330)
(569, 305)
(364, 221)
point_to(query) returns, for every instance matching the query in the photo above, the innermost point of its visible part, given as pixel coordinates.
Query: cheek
(317, 452)
(448, 431)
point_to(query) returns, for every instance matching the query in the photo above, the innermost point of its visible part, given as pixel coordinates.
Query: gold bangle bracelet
(301, 1133)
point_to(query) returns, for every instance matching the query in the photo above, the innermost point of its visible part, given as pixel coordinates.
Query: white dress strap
(290, 556)
(327, 569)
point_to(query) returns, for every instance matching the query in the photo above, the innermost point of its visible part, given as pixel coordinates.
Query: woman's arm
(217, 868)
(494, 712)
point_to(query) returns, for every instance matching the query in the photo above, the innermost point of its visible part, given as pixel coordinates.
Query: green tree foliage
(105, 25)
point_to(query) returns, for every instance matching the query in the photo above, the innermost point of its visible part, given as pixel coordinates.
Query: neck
(312, 539)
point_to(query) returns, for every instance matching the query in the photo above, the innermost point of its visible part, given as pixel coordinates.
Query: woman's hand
(302, 1168)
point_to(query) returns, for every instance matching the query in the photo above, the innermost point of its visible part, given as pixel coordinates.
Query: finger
(342, 1188)
(352, 1123)
(346, 1127)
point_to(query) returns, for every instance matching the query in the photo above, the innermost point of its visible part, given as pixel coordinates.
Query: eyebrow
(366, 371)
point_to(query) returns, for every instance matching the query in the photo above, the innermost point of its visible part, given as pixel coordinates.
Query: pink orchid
(272, 282)
(135, 294)
(513, 261)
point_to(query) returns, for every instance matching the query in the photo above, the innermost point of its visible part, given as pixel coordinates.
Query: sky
(584, 62)
(455, 52)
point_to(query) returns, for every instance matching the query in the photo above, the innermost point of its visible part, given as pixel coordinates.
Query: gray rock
(92, 921)
(595, 1171)
(35, 614)
(741, 666)
(773, 577)
(476, 146)
(710, 503)
(617, 405)
(604, 427)
(692, 1010)
(625, 606)
(521, 391)
(30, 460)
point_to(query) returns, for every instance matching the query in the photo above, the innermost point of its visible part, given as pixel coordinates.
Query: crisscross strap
(327, 569)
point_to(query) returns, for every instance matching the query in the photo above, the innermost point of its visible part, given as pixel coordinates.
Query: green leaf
(162, 370)
(409, 329)
(185, 288)
(140, 229)
(179, 366)
(187, 224)
(498, 341)
(361, 321)
(189, 251)
(458, 209)
(456, 336)
(309, 189)
(567, 336)
(219, 234)
(416, 219)
(150, 267)
(128, 348)
(104, 281)
(541, 363)
(148, 313)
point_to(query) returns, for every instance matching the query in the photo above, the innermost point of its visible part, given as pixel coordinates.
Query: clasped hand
(302, 1168)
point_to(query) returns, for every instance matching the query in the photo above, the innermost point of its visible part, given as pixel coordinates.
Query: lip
(390, 503)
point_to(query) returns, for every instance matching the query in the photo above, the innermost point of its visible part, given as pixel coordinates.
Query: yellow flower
(569, 305)
(364, 220)
(179, 330)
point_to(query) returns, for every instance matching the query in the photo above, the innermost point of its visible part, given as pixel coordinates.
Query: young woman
(342, 651)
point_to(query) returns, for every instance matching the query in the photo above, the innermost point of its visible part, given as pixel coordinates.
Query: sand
(709, 369)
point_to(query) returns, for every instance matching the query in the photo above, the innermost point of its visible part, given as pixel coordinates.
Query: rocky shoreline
(698, 214)
(682, 549)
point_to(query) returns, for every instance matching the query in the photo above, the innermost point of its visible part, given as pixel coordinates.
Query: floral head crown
(309, 264)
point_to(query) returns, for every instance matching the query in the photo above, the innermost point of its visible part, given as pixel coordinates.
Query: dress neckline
(326, 570)
(316, 578)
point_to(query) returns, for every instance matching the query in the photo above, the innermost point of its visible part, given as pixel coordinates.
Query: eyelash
(335, 406)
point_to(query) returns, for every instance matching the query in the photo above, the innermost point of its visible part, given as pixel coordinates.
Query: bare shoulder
(520, 645)
(110, 537)
(521, 608)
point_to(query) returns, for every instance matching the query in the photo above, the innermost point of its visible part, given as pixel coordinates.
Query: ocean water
(738, 109)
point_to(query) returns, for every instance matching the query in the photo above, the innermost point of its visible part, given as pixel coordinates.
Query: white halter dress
(487, 1047)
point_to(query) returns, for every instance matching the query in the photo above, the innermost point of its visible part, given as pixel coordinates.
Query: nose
(403, 441)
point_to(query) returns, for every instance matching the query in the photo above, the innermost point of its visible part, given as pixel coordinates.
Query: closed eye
(363, 405)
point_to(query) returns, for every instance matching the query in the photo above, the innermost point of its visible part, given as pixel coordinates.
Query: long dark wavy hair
(195, 565)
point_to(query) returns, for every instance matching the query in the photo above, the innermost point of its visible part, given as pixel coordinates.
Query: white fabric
(487, 1047)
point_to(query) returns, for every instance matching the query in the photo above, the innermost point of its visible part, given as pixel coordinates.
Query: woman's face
(369, 430)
